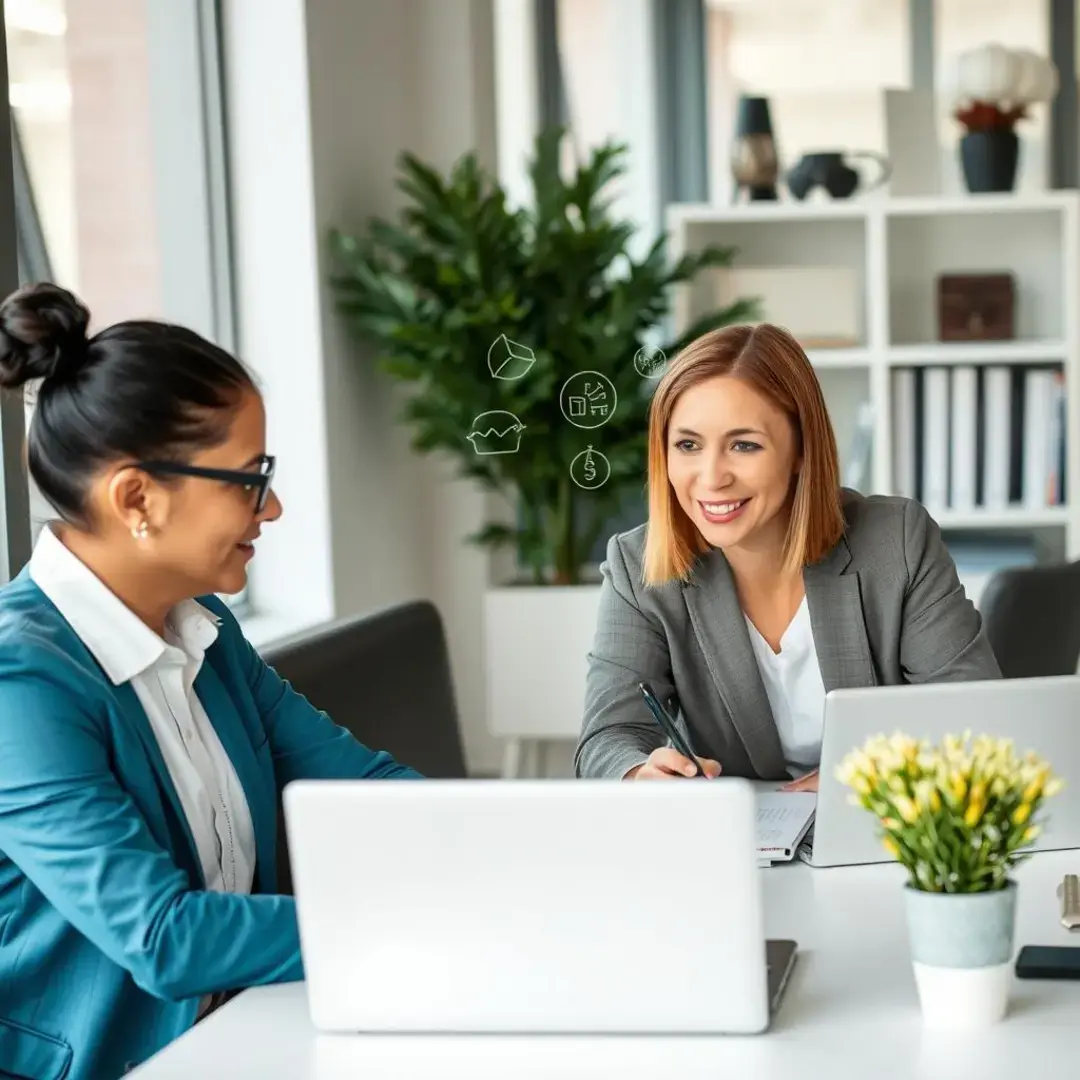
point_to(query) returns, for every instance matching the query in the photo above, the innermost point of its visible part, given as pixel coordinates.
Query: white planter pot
(961, 948)
(536, 641)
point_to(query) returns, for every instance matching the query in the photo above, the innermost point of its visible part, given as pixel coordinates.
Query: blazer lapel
(188, 856)
(222, 712)
(720, 625)
(838, 623)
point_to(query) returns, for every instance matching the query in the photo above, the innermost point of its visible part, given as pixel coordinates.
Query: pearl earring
(141, 531)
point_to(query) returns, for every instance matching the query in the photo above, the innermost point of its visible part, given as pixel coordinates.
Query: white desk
(850, 1011)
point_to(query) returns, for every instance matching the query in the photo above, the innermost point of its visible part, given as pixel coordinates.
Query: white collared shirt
(162, 674)
(796, 692)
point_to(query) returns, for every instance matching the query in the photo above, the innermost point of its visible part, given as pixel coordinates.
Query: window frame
(192, 212)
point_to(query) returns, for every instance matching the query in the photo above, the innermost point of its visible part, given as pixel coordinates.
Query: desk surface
(849, 1011)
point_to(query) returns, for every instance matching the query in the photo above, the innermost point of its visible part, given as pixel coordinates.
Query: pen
(670, 728)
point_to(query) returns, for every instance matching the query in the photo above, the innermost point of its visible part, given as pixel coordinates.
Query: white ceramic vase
(961, 951)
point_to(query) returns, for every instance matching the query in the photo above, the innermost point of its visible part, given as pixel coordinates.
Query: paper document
(783, 819)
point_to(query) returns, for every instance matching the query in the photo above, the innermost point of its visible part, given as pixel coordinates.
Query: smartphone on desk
(1048, 962)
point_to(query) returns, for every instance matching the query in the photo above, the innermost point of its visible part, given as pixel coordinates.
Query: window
(822, 66)
(607, 73)
(119, 160)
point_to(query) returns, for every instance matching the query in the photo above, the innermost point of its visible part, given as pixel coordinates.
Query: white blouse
(162, 674)
(792, 679)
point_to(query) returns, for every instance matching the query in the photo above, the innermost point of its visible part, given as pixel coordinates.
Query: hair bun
(42, 334)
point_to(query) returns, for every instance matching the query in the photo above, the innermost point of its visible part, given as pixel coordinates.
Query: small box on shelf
(976, 307)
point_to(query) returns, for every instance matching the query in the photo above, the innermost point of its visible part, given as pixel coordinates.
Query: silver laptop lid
(529, 905)
(1041, 714)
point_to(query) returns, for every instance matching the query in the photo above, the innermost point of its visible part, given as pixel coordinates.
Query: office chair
(1031, 616)
(386, 677)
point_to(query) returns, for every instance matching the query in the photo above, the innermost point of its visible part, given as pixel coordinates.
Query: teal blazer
(108, 938)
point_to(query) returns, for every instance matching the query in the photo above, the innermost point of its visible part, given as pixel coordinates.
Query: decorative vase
(829, 170)
(989, 160)
(754, 163)
(961, 948)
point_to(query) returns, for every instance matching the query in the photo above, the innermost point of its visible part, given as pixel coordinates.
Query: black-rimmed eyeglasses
(258, 481)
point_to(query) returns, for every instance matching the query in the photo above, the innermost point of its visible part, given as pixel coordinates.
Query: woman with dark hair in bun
(143, 742)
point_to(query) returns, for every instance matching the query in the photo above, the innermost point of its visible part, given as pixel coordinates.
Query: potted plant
(959, 817)
(531, 339)
(992, 88)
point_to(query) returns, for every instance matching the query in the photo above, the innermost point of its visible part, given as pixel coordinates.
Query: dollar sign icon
(590, 466)
(590, 469)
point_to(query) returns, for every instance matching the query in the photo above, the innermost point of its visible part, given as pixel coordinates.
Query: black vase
(754, 164)
(989, 160)
(826, 169)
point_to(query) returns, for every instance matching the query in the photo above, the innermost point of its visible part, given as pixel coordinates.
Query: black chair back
(1031, 615)
(386, 677)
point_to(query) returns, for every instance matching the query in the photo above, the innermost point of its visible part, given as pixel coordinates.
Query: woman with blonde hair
(758, 583)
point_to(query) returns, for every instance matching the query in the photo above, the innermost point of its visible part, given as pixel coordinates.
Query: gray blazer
(886, 607)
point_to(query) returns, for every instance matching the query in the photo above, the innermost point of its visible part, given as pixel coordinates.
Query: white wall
(279, 315)
(367, 521)
(420, 77)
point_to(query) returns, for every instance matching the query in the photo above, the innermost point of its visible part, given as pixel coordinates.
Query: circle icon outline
(582, 401)
(645, 361)
(590, 453)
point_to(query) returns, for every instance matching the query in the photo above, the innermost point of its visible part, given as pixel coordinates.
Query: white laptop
(1041, 714)
(532, 906)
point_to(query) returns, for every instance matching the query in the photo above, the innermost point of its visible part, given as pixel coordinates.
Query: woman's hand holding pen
(665, 763)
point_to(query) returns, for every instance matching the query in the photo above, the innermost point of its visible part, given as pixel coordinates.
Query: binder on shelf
(1055, 446)
(964, 436)
(997, 420)
(972, 437)
(905, 475)
(1017, 408)
(935, 479)
(1038, 435)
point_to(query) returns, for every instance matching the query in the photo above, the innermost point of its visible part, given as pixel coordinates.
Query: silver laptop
(532, 906)
(1041, 714)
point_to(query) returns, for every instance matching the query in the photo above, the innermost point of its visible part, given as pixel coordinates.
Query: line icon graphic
(496, 432)
(509, 360)
(650, 361)
(588, 399)
(590, 469)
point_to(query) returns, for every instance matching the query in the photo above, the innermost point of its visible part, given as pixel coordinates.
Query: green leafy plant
(488, 310)
(957, 816)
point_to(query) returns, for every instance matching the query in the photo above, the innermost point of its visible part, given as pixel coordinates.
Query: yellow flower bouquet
(958, 816)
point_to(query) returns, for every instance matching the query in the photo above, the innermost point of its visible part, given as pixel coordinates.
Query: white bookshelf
(895, 249)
